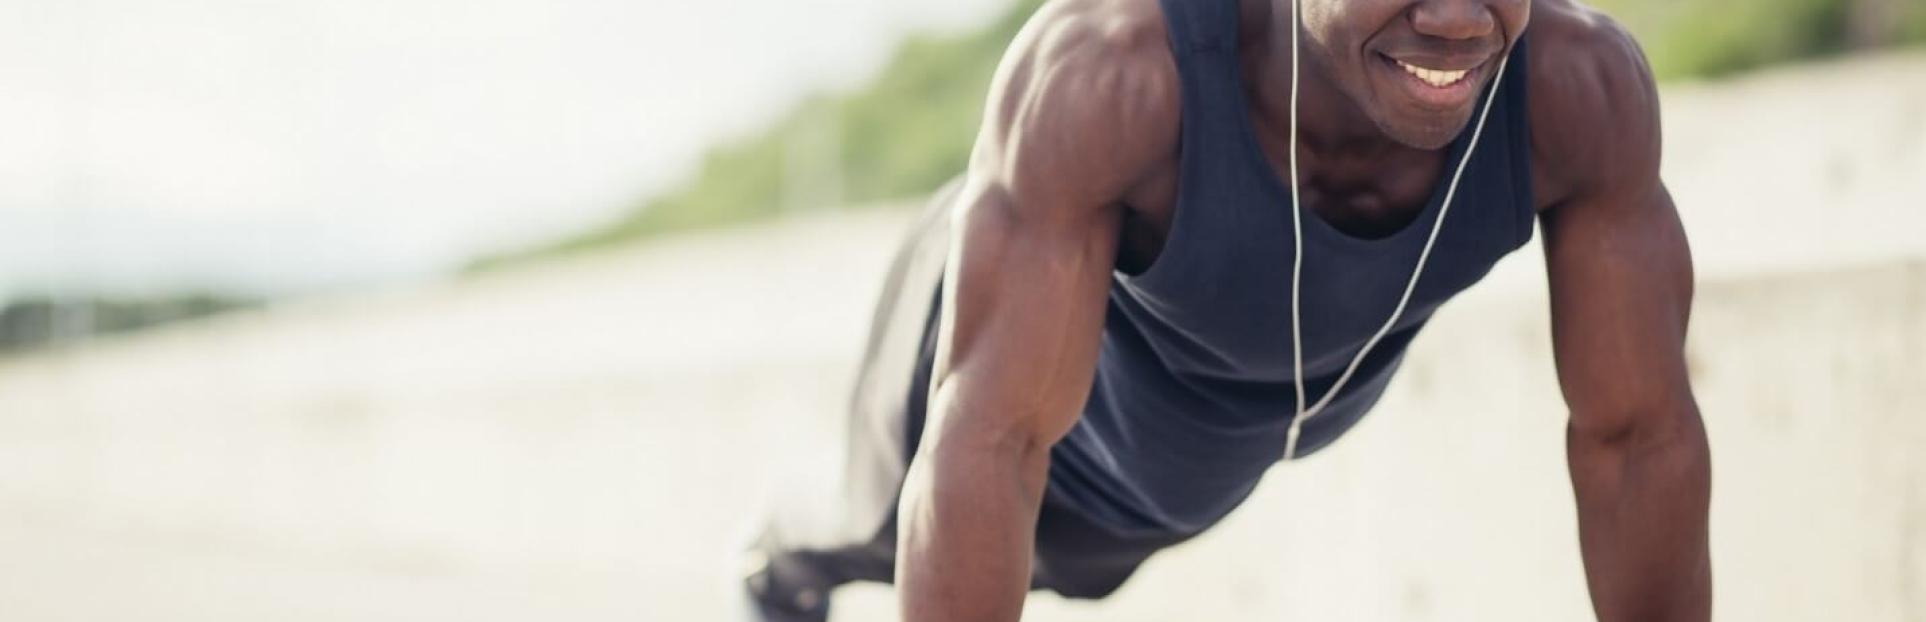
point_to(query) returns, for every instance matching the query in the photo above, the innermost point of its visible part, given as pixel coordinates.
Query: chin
(1424, 131)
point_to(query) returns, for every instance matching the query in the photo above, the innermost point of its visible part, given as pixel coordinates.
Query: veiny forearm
(967, 529)
(1642, 494)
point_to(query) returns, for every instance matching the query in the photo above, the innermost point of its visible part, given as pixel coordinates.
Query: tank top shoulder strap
(1201, 25)
(1517, 129)
(1204, 40)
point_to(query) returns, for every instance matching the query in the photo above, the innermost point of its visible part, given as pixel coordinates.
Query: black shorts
(1075, 557)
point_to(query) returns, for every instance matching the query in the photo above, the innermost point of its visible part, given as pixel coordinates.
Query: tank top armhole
(1202, 38)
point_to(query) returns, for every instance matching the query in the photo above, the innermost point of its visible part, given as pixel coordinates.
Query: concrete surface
(583, 440)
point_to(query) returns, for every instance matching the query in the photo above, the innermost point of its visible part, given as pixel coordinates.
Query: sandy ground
(586, 439)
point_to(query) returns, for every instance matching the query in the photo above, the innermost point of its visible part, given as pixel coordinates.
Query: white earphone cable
(1297, 257)
(1297, 260)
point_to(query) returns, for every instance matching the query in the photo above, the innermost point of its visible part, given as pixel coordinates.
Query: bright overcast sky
(293, 145)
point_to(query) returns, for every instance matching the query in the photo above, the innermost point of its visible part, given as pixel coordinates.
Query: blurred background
(520, 309)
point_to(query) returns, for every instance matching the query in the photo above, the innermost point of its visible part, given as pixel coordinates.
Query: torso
(1197, 372)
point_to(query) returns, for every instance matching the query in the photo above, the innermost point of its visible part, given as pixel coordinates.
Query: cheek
(1329, 28)
(1345, 19)
(1321, 23)
(1343, 27)
(1516, 15)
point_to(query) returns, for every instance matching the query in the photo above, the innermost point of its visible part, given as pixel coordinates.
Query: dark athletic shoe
(763, 599)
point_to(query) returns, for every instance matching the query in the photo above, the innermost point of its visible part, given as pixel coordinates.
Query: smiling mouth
(1431, 87)
(1440, 78)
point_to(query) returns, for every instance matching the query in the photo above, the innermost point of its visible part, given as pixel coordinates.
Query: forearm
(1642, 493)
(967, 529)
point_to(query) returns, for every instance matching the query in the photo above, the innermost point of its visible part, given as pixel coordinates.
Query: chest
(1208, 247)
(1364, 194)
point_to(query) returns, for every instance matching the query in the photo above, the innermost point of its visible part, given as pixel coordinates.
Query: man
(1091, 349)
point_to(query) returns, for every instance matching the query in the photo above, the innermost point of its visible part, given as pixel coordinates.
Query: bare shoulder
(1084, 103)
(1594, 106)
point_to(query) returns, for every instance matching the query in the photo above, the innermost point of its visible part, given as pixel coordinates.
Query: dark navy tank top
(1194, 391)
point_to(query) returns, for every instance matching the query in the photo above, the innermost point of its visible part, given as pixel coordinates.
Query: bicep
(1616, 252)
(1621, 295)
(1024, 301)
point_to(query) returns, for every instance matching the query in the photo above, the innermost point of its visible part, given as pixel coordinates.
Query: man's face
(1416, 67)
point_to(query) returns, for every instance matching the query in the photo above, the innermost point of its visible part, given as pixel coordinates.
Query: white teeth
(1434, 77)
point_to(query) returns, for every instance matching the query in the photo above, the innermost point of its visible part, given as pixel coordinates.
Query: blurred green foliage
(911, 129)
(900, 136)
(1712, 38)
